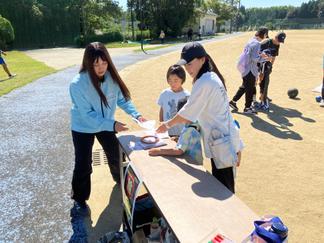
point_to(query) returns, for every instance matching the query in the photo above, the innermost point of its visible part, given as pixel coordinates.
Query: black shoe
(80, 209)
(250, 110)
(269, 99)
(233, 105)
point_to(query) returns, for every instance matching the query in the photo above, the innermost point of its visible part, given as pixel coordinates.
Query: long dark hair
(209, 66)
(92, 53)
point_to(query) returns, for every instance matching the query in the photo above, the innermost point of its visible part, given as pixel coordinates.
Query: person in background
(189, 34)
(162, 36)
(271, 48)
(4, 65)
(250, 72)
(322, 100)
(199, 33)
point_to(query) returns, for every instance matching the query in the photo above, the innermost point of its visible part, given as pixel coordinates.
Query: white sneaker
(322, 103)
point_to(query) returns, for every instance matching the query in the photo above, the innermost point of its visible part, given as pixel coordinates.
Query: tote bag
(222, 148)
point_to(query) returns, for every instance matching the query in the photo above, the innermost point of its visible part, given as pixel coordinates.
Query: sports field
(282, 171)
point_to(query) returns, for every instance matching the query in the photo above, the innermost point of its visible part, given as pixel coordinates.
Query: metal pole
(238, 15)
(231, 22)
(132, 19)
(142, 25)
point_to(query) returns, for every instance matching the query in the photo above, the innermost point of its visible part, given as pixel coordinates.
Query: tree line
(308, 14)
(40, 23)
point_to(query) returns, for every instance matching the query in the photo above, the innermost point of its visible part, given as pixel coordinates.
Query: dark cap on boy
(191, 51)
(281, 37)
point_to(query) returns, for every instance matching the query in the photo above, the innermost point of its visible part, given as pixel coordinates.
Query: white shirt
(208, 104)
(169, 101)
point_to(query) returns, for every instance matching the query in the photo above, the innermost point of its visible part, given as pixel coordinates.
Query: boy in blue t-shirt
(188, 143)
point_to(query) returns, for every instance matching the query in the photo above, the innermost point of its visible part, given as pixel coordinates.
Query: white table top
(196, 205)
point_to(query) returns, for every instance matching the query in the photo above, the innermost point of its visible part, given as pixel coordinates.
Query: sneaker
(322, 103)
(256, 105)
(264, 107)
(80, 209)
(250, 110)
(12, 75)
(233, 105)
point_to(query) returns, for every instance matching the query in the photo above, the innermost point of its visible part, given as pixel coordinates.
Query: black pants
(264, 83)
(247, 87)
(83, 143)
(225, 176)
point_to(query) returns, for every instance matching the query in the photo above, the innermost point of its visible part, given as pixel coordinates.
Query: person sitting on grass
(4, 65)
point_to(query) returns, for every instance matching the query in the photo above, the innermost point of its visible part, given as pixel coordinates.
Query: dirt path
(60, 58)
(282, 168)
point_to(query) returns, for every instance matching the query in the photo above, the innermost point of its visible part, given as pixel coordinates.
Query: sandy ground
(282, 169)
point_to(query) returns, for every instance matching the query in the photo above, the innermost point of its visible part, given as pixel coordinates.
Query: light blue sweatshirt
(88, 114)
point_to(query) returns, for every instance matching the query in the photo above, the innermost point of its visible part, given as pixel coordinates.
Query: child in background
(169, 98)
(4, 65)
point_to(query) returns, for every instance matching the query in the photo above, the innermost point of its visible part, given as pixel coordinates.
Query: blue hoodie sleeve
(89, 116)
(127, 105)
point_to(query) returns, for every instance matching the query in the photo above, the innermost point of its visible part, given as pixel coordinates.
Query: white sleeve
(197, 101)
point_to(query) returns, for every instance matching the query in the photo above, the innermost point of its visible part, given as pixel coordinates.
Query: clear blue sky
(251, 3)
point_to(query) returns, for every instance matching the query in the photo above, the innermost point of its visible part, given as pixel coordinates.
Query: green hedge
(137, 34)
(82, 41)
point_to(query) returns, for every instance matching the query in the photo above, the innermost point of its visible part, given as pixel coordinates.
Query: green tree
(225, 10)
(168, 15)
(6, 32)
(40, 23)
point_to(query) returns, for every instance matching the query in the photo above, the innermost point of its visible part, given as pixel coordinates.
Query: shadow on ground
(282, 127)
(109, 220)
(2, 80)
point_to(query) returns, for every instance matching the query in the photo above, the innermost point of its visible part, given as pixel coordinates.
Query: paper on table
(148, 125)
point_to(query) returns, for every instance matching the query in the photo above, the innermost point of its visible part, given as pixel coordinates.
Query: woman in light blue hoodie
(95, 93)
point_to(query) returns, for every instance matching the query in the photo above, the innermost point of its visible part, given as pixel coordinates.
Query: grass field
(26, 68)
(282, 171)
